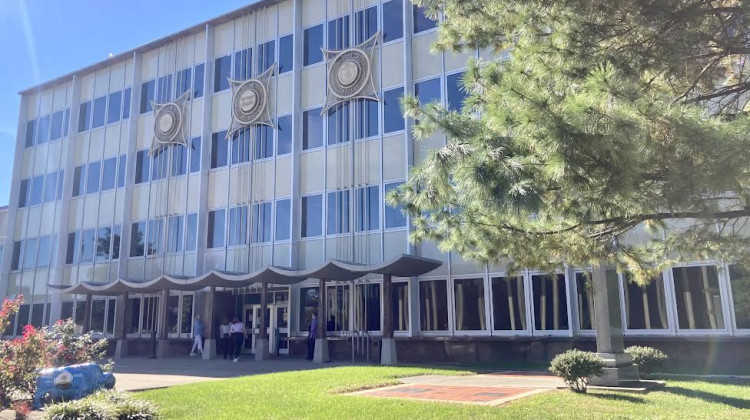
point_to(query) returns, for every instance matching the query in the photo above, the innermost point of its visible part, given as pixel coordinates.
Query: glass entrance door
(278, 317)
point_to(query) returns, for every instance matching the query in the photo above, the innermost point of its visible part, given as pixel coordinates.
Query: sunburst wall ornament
(350, 73)
(169, 123)
(250, 102)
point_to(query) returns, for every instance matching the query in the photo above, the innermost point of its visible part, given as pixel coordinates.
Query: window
(186, 315)
(200, 71)
(698, 298)
(43, 259)
(468, 295)
(60, 180)
(263, 142)
(508, 304)
(116, 233)
(50, 193)
(455, 91)
(180, 314)
(367, 315)
(109, 172)
(30, 126)
(394, 215)
(433, 305)
(284, 135)
(56, 127)
(142, 166)
(241, 146)
(111, 306)
(222, 72)
(338, 124)
(645, 307)
(121, 169)
(94, 172)
(179, 159)
(266, 56)
(134, 311)
(312, 129)
(23, 193)
(183, 82)
(195, 154)
(237, 226)
(174, 234)
(338, 212)
(126, 104)
(421, 21)
(338, 33)
(100, 107)
(164, 89)
(740, 283)
(286, 54)
(159, 162)
(29, 253)
(400, 306)
(283, 221)
(103, 243)
(115, 102)
(337, 308)
(73, 252)
(312, 211)
(368, 202)
(150, 315)
(365, 24)
(243, 64)
(313, 40)
(585, 291)
(23, 318)
(155, 237)
(219, 149)
(84, 116)
(79, 179)
(15, 262)
(66, 122)
(261, 223)
(550, 303)
(393, 20)
(427, 91)
(42, 130)
(192, 232)
(37, 189)
(148, 91)
(137, 239)
(215, 229)
(98, 310)
(366, 124)
(309, 297)
(87, 245)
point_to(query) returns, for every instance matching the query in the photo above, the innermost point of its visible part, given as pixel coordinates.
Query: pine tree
(617, 131)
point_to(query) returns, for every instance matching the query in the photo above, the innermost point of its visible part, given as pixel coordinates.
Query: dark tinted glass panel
(111, 316)
(455, 91)
(109, 169)
(164, 89)
(241, 146)
(428, 91)
(100, 107)
(585, 292)
(309, 299)
(50, 193)
(237, 226)
(368, 203)
(393, 20)
(30, 127)
(103, 243)
(23, 193)
(261, 223)
(433, 305)
(121, 171)
(286, 54)
(263, 142)
(98, 312)
(338, 124)
(200, 70)
(550, 303)
(222, 72)
(60, 183)
(126, 104)
(159, 162)
(219, 150)
(79, 177)
(508, 304)
(116, 234)
(312, 216)
(283, 221)
(215, 229)
(23, 318)
(115, 103)
(394, 119)
(740, 283)
(56, 127)
(184, 79)
(92, 182)
(422, 22)
(84, 116)
(365, 24)
(148, 92)
(142, 166)
(192, 232)
(29, 253)
(313, 42)
(73, 250)
(645, 307)
(155, 237)
(37, 189)
(195, 154)
(468, 296)
(368, 297)
(394, 215)
(243, 64)
(266, 56)
(179, 159)
(88, 245)
(698, 298)
(66, 122)
(15, 262)
(338, 33)
(367, 119)
(43, 256)
(174, 234)
(312, 129)
(284, 135)
(338, 212)
(400, 306)
(42, 130)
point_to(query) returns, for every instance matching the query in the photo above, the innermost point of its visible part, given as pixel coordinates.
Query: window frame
(550, 333)
(526, 281)
(487, 307)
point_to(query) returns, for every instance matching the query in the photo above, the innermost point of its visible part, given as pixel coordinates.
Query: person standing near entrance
(198, 328)
(238, 333)
(225, 338)
(311, 333)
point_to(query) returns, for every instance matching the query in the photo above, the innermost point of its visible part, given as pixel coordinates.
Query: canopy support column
(388, 344)
(162, 344)
(121, 317)
(209, 342)
(321, 342)
(86, 327)
(261, 342)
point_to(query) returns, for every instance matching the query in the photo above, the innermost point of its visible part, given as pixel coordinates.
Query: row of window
(99, 176)
(251, 143)
(337, 212)
(147, 237)
(41, 189)
(106, 109)
(697, 303)
(241, 228)
(162, 90)
(241, 66)
(33, 253)
(102, 244)
(47, 128)
(143, 314)
(176, 160)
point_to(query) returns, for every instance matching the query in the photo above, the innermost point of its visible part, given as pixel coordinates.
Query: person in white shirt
(237, 330)
(225, 338)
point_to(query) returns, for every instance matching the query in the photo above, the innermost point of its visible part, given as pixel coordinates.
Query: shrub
(103, 405)
(576, 367)
(647, 359)
(67, 348)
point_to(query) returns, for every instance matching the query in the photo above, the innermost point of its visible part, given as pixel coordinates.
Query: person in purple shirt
(311, 333)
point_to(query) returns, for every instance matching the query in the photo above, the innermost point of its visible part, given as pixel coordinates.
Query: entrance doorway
(277, 315)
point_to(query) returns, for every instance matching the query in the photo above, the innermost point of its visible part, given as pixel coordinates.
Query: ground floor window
(433, 305)
(585, 301)
(645, 306)
(740, 282)
(144, 315)
(550, 302)
(400, 306)
(308, 304)
(337, 308)
(508, 303)
(698, 298)
(367, 307)
(180, 314)
(468, 296)
(23, 318)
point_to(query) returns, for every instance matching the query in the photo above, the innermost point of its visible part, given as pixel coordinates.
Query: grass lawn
(313, 394)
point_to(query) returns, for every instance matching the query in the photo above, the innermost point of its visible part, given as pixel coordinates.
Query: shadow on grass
(741, 403)
(617, 397)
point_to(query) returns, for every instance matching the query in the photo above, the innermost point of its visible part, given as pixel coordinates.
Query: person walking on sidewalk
(237, 330)
(198, 328)
(311, 334)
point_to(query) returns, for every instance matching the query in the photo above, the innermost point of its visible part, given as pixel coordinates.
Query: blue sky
(44, 39)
